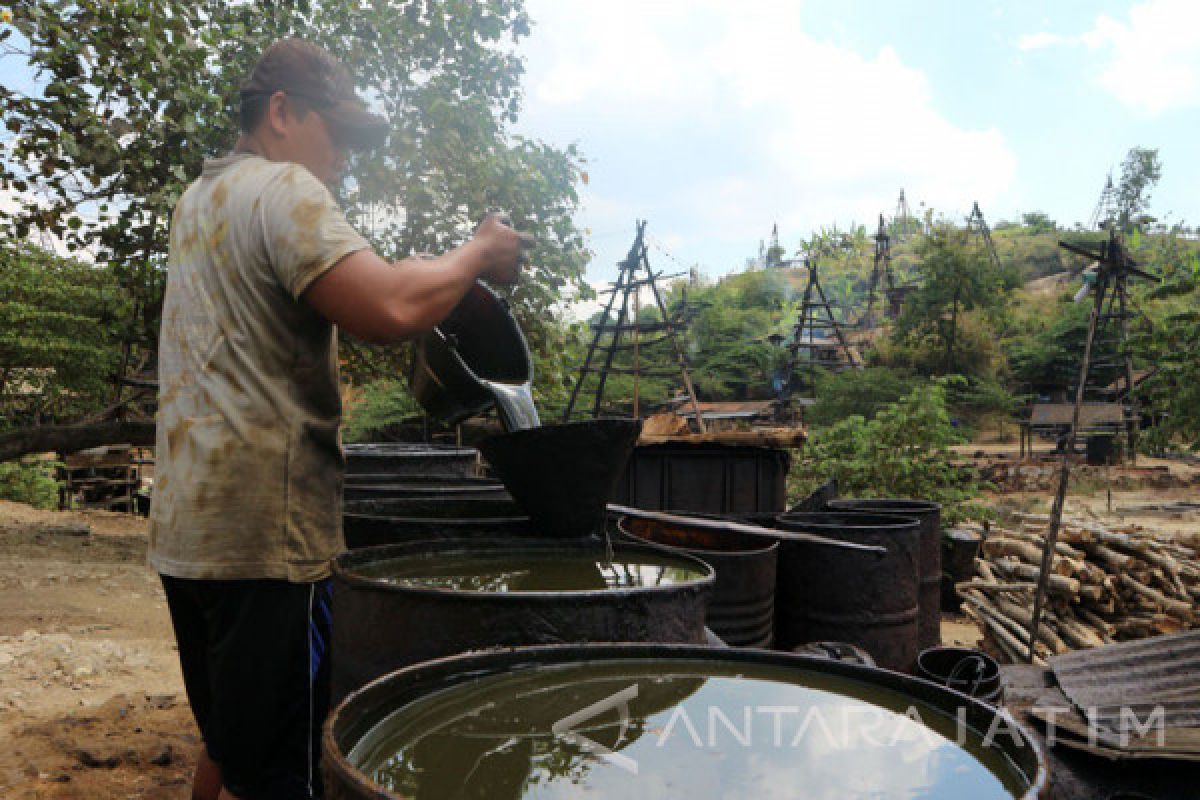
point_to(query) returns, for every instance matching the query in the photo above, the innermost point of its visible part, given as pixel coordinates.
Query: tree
(135, 94)
(1039, 222)
(1140, 172)
(955, 277)
(59, 335)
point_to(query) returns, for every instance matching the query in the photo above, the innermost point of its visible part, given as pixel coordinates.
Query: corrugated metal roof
(1091, 415)
(1118, 687)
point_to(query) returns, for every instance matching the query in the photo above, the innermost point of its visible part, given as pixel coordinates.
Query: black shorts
(255, 659)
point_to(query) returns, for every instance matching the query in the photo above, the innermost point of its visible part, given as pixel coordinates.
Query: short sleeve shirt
(248, 472)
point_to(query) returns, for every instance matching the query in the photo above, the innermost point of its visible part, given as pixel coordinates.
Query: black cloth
(255, 660)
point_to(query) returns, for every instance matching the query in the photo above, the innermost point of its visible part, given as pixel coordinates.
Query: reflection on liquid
(695, 730)
(530, 572)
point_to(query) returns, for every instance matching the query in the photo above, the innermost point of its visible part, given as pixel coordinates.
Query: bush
(903, 452)
(377, 405)
(30, 482)
(857, 392)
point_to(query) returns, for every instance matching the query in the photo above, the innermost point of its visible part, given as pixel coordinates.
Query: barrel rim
(472, 665)
(770, 544)
(885, 504)
(343, 573)
(886, 523)
(405, 449)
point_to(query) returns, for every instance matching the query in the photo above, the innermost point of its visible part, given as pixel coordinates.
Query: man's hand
(503, 247)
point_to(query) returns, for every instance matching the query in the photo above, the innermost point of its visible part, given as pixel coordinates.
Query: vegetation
(903, 451)
(29, 481)
(114, 133)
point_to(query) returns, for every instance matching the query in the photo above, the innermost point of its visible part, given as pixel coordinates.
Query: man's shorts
(255, 659)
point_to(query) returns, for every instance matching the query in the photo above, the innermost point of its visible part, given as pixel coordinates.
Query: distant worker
(246, 513)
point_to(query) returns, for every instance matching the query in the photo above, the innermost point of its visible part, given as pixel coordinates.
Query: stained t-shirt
(248, 472)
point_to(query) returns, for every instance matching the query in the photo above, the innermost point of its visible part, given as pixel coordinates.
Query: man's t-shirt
(248, 473)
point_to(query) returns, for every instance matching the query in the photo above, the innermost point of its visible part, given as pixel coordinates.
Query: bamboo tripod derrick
(817, 330)
(635, 274)
(882, 274)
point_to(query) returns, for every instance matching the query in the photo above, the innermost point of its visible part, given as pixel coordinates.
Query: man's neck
(249, 144)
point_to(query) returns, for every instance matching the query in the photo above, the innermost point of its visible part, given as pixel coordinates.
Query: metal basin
(605, 721)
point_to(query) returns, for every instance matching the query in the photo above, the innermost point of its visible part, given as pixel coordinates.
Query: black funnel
(563, 475)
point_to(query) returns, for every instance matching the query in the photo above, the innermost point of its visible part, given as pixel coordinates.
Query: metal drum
(405, 603)
(827, 594)
(369, 523)
(742, 610)
(407, 458)
(669, 721)
(929, 590)
(382, 488)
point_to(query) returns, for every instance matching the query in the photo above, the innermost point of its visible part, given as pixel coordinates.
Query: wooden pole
(1064, 474)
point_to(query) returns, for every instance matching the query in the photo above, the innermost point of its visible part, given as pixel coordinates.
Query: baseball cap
(308, 71)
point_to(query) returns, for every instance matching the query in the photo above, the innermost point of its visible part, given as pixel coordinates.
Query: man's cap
(309, 72)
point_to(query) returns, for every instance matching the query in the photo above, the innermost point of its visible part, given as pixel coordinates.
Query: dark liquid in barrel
(529, 572)
(712, 730)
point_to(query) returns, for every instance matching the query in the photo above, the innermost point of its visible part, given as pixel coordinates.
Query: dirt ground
(91, 699)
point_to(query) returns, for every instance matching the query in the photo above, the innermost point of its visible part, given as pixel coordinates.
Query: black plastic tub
(649, 721)
(707, 478)
(370, 523)
(405, 458)
(416, 486)
(929, 590)
(827, 594)
(742, 610)
(383, 625)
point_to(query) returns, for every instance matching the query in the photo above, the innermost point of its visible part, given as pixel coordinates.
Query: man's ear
(277, 111)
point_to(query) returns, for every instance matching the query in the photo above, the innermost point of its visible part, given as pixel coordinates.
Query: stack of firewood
(1107, 584)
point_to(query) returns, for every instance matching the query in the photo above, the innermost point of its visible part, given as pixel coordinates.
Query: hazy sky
(714, 120)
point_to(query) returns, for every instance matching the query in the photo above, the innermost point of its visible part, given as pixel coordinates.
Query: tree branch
(71, 438)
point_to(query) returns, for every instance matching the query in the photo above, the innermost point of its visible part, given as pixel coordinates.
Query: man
(247, 506)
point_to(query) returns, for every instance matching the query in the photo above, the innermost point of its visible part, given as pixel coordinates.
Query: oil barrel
(369, 523)
(827, 594)
(929, 591)
(377, 486)
(742, 609)
(669, 720)
(411, 458)
(401, 604)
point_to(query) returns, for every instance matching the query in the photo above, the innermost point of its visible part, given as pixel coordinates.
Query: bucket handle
(958, 673)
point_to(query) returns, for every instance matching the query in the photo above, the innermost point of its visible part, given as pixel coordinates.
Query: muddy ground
(91, 699)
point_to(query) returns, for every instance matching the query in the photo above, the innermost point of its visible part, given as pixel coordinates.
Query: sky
(716, 120)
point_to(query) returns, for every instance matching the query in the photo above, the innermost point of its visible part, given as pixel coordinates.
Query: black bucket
(369, 523)
(522, 723)
(430, 488)
(405, 458)
(480, 339)
(742, 610)
(827, 594)
(929, 591)
(970, 672)
(382, 626)
(563, 475)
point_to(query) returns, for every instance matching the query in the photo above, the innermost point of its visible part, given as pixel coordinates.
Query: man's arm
(383, 303)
